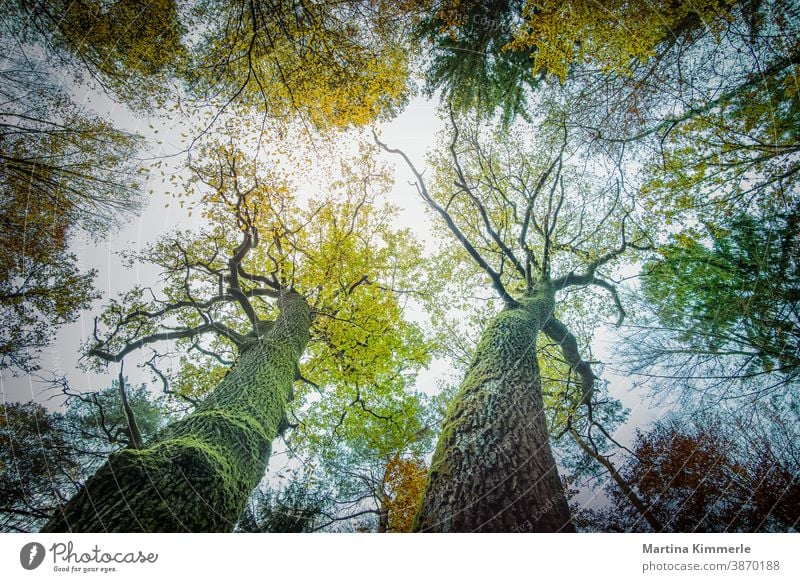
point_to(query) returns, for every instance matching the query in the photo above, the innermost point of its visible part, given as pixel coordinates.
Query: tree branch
(627, 490)
(212, 327)
(428, 199)
(462, 183)
(559, 333)
(134, 435)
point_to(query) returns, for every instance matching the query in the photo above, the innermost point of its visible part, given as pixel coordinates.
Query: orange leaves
(404, 482)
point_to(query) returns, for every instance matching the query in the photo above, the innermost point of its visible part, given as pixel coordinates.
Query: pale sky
(413, 131)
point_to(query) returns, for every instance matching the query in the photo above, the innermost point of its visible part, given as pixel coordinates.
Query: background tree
(131, 49)
(493, 468)
(702, 93)
(63, 169)
(47, 455)
(724, 303)
(725, 471)
(357, 446)
(328, 64)
(293, 509)
(37, 465)
(405, 480)
(332, 263)
(60, 170)
(121, 416)
(470, 60)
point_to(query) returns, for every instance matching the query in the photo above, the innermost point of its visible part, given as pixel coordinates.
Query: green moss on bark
(493, 469)
(196, 475)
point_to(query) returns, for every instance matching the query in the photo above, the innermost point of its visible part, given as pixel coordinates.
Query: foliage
(405, 480)
(331, 64)
(45, 456)
(338, 250)
(703, 94)
(352, 440)
(37, 465)
(62, 168)
(527, 207)
(726, 302)
(131, 48)
(294, 509)
(713, 474)
(470, 60)
(611, 35)
(36, 298)
(738, 155)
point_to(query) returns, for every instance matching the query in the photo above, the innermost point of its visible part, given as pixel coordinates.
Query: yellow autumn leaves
(611, 35)
(324, 62)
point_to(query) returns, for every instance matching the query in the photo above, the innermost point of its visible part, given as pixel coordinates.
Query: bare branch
(428, 199)
(573, 280)
(238, 339)
(134, 435)
(462, 183)
(167, 390)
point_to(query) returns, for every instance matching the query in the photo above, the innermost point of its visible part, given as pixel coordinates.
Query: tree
(493, 469)
(405, 480)
(47, 455)
(495, 55)
(37, 465)
(470, 60)
(356, 494)
(329, 64)
(121, 416)
(62, 169)
(702, 93)
(37, 298)
(357, 443)
(325, 271)
(561, 35)
(581, 437)
(714, 473)
(131, 49)
(723, 308)
(294, 509)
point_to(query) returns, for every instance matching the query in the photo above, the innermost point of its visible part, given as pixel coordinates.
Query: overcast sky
(414, 131)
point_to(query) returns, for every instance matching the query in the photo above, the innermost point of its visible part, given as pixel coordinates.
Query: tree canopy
(612, 204)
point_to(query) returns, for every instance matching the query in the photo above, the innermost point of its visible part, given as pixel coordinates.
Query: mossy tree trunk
(197, 474)
(493, 469)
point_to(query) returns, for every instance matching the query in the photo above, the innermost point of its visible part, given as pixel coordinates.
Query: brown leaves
(404, 482)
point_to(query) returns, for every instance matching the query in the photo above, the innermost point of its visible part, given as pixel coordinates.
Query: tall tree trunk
(383, 515)
(493, 469)
(197, 474)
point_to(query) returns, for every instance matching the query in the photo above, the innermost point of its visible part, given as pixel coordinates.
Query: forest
(400, 266)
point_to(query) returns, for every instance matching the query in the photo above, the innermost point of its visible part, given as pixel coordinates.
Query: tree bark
(493, 470)
(196, 475)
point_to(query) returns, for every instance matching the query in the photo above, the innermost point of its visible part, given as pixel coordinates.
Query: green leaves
(734, 293)
(738, 153)
(36, 297)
